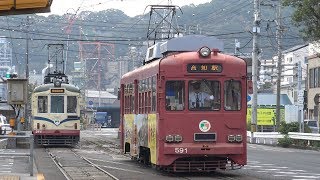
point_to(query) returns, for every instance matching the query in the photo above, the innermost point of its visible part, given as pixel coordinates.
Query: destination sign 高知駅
(204, 68)
(57, 90)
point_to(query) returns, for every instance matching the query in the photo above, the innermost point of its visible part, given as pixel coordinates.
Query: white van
(5, 127)
(313, 125)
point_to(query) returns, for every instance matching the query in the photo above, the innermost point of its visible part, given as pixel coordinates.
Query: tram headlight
(169, 138)
(238, 137)
(177, 138)
(231, 138)
(57, 83)
(205, 51)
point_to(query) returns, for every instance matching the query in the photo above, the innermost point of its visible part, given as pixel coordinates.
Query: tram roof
(183, 44)
(46, 87)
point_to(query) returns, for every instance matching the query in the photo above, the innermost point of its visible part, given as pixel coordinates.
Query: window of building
(57, 104)
(42, 104)
(232, 95)
(318, 77)
(316, 72)
(175, 95)
(311, 78)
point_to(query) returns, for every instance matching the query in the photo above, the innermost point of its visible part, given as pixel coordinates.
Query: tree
(307, 15)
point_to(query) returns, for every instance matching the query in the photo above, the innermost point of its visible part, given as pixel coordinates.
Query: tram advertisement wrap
(152, 125)
(265, 116)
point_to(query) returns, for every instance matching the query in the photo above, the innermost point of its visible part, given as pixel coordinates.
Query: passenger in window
(197, 97)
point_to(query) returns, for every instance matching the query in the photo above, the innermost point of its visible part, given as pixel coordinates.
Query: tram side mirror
(118, 94)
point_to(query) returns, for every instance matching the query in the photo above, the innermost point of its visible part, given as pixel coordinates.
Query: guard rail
(272, 137)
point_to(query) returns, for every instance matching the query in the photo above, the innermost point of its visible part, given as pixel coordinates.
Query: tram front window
(57, 104)
(42, 104)
(71, 104)
(175, 95)
(204, 95)
(232, 95)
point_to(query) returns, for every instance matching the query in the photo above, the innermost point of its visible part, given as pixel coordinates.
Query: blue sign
(248, 98)
(90, 102)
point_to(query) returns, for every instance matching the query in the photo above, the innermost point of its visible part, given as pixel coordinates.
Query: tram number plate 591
(181, 150)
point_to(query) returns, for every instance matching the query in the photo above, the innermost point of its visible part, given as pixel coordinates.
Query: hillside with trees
(227, 20)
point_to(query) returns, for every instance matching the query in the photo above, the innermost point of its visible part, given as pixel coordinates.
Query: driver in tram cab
(197, 97)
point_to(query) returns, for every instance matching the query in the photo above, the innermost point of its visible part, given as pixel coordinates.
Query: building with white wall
(290, 58)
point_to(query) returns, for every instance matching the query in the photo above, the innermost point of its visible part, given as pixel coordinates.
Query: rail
(30, 154)
(272, 137)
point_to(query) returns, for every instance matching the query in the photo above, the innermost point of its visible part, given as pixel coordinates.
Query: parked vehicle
(102, 119)
(313, 125)
(4, 126)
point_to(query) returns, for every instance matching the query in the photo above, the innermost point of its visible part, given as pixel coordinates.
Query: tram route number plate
(181, 150)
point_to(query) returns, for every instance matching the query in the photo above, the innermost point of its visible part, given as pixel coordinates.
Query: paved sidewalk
(17, 168)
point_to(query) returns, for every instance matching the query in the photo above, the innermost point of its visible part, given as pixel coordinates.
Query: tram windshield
(71, 104)
(175, 95)
(204, 95)
(232, 93)
(57, 104)
(42, 104)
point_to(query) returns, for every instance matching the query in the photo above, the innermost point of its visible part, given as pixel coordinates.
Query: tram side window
(57, 104)
(175, 95)
(154, 94)
(42, 104)
(71, 104)
(232, 95)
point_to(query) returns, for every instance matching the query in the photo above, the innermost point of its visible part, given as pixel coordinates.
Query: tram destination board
(57, 90)
(204, 68)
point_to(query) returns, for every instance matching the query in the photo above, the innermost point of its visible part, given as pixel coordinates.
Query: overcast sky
(129, 7)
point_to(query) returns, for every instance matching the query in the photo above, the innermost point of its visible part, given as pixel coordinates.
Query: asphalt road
(264, 162)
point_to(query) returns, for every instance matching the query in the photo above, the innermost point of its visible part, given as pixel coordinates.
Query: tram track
(108, 145)
(75, 166)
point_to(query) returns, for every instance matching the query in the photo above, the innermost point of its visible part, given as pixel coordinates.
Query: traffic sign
(90, 102)
(248, 98)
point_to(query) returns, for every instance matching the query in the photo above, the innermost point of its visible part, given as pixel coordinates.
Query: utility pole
(279, 69)
(300, 97)
(256, 34)
(26, 114)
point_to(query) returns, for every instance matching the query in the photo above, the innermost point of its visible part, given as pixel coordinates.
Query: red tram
(185, 109)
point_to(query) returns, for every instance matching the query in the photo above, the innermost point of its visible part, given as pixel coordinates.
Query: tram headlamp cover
(204, 51)
(57, 83)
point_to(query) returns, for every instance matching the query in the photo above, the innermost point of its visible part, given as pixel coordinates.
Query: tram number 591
(181, 150)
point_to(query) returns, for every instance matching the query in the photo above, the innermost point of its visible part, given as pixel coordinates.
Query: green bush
(248, 126)
(285, 141)
(290, 127)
